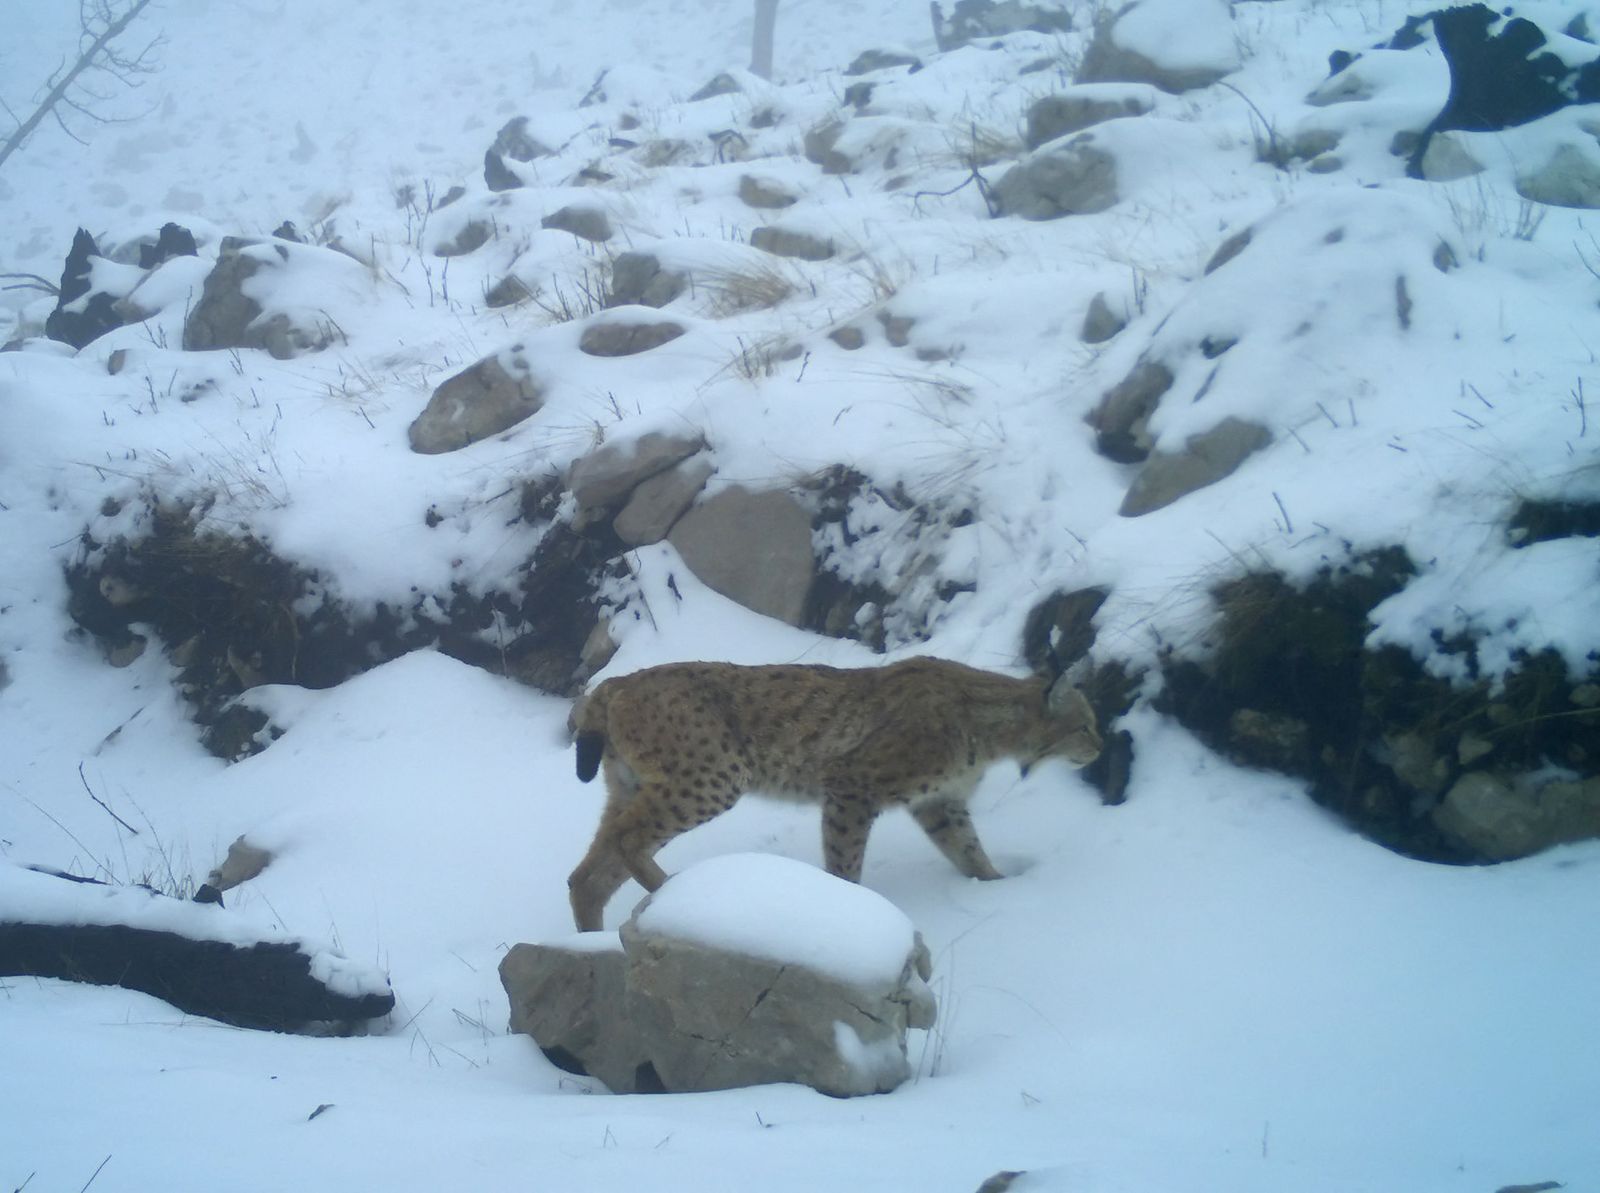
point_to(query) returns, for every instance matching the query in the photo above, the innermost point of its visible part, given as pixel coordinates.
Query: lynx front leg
(948, 823)
(846, 822)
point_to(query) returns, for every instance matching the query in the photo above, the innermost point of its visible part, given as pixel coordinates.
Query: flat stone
(784, 242)
(609, 473)
(492, 395)
(613, 337)
(656, 504)
(753, 548)
(1205, 459)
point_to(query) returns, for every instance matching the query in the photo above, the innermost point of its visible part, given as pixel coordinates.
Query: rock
(1229, 249)
(569, 998)
(174, 240)
(1416, 763)
(1075, 109)
(1100, 322)
(722, 84)
(227, 317)
(1059, 630)
(785, 242)
(1497, 819)
(870, 60)
(637, 279)
(753, 548)
(80, 316)
(764, 193)
(608, 474)
(496, 393)
(971, 20)
(474, 234)
(769, 989)
(616, 337)
(586, 223)
(514, 141)
(1257, 738)
(1075, 177)
(657, 503)
(1446, 159)
(849, 338)
(1570, 177)
(819, 145)
(497, 176)
(507, 292)
(1205, 459)
(1121, 420)
(1133, 44)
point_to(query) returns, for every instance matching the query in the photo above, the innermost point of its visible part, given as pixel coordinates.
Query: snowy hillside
(1193, 390)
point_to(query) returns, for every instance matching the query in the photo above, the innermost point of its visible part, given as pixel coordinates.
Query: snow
(1215, 985)
(782, 910)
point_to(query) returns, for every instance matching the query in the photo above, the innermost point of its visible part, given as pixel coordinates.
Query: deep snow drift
(1215, 985)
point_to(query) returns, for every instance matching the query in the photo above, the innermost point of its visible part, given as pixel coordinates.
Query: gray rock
(1077, 108)
(637, 279)
(1498, 819)
(514, 141)
(1074, 177)
(1447, 160)
(473, 235)
(1100, 322)
(722, 84)
(971, 20)
(785, 242)
(1569, 178)
(1205, 459)
(753, 548)
(1121, 420)
(608, 474)
(764, 193)
(657, 503)
(615, 337)
(1108, 61)
(586, 223)
(849, 338)
(225, 317)
(819, 145)
(871, 60)
(570, 999)
(496, 393)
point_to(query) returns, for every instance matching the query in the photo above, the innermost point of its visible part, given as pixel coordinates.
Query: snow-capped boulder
(586, 223)
(273, 295)
(791, 242)
(970, 20)
(742, 970)
(1176, 45)
(1075, 177)
(612, 336)
(765, 193)
(637, 279)
(1569, 177)
(655, 506)
(86, 301)
(1076, 108)
(754, 547)
(602, 479)
(484, 399)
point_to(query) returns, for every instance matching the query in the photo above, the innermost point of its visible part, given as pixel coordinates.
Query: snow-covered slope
(1215, 985)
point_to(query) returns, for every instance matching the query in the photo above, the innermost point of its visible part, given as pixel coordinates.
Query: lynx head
(1065, 728)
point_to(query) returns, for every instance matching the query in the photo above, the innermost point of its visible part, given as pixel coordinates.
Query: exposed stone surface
(496, 393)
(226, 317)
(1110, 60)
(1499, 819)
(1075, 109)
(586, 223)
(608, 474)
(785, 242)
(722, 84)
(819, 145)
(970, 20)
(658, 502)
(871, 60)
(637, 279)
(1570, 177)
(753, 548)
(474, 234)
(514, 141)
(671, 1012)
(1121, 420)
(765, 193)
(617, 337)
(81, 316)
(1100, 322)
(1205, 459)
(1075, 177)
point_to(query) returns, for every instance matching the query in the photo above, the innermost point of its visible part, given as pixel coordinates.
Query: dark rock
(1075, 177)
(497, 176)
(1078, 108)
(586, 223)
(613, 337)
(764, 193)
(786, 242)
(227, 317)
(81, 317)
(1100, 322)
(637, 279)
(971, 20)
(1121, 420)
(1060, 630)
(870, 60)
(173, 240)
(514, 141)
(490, 396)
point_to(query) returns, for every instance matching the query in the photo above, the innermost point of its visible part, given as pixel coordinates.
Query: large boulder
(496, 393)
(240, 306)
(1072, 177)
(655, 506)
(1135, 44)
(742, 970)
(1077, 108)
(754, 547)
(1499, 819)
(1203, 460)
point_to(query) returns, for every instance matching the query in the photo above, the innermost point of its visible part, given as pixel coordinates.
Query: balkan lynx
(682, 742)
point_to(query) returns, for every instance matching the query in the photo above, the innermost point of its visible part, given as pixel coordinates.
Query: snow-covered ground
(1216, 985)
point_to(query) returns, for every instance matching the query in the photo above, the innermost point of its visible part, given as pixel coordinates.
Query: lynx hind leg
(948, 824)
(633, 828)
(846, 824)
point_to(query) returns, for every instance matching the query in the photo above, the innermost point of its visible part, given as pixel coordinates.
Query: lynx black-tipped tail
(591, 746)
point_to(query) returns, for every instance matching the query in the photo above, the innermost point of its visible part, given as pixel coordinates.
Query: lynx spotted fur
(682, 742)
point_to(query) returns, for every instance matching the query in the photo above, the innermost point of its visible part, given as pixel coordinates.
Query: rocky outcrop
(1077, 108)
(683, 1005)
(753, 547)
(1073, 177)
(1203, 460)
(1132, 44)
(490, 396)
(226, 316)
